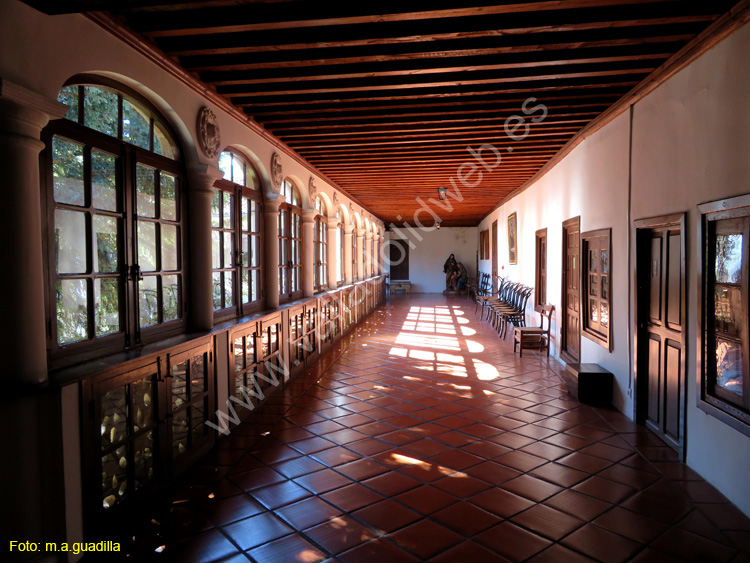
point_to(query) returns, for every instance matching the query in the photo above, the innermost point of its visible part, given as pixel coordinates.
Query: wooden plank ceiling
(384, 98)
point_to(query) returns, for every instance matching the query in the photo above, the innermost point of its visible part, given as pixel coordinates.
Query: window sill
(724, 416)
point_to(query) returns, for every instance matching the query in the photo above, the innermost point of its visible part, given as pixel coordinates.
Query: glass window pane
(217, 291)
(594, 285)
(105, 237)
(103, 180)
(144, 459)
(216, 209)
(228, 288)
(228, 211)
(594, 310)
(67, 172)
(148, 301)
(245, 214)
(163, 143)
(255, 285)
(143, 394)
(255, 252)
(728, 311)
(729, 258)
(170, 294)
(145, 191)
(197, 376)
(216, 249)
(179, 384)
(605, 262)
(238, 171)
(114, 412)
(179, 433)
(239, 355)
(605, 315)
(228, 240)
(197, 421)
(246, 250)
(593, 261)
(147, 246)
(168, 193)
(136, 125)
(254, 217)
(69, 96)
(225, 164)
(114, 477)
(729, 360)
(169, 256)
(72, 311)
(100, 110)
(70, 242)
(107, 306)
(246, 286)
(251, 181)
(605, 291)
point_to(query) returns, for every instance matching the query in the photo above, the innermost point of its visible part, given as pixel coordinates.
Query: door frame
(494, 254)
(640, 228)
(564, 295)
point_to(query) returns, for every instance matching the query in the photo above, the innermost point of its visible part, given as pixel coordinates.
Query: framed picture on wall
(512, 238)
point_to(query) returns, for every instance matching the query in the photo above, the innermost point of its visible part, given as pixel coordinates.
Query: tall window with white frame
(236, 211)
(290, 242)
(114, 224)
(320, 246)
(725, 388)
(339, 248)
(354, 251)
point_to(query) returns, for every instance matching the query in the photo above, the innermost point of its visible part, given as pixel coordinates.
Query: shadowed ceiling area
(384, 98)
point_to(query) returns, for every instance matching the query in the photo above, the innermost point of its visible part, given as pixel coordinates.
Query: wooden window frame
(592, 329)
(712, 399)
(354, 255)
(540, 275)
(290, 243)
(238, 192)
(128, 155)
(320, 253)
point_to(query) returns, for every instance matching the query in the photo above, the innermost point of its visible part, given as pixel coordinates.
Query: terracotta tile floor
(422, 437)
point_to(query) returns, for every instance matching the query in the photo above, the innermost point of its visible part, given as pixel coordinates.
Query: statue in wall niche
(449, 269)
(335, 200)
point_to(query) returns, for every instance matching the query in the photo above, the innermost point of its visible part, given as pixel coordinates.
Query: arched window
(290, 242)
(339, 248)
(236, 211)
(114, 215)
(320, 245)
(354, 251)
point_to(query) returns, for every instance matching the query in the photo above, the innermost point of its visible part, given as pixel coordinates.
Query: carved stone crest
(335, 199)
(276, 174)
(209, 137)
(312, 189)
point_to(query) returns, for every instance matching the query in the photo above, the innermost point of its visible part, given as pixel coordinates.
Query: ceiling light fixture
(437, 224)
(442, 194)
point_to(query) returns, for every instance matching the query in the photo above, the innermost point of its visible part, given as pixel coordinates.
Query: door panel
(571, 330)
(660, 355)
(673, 372)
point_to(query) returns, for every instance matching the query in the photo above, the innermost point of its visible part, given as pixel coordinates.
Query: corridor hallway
(422, 437)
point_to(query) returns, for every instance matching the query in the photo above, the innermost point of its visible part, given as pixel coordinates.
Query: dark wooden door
(660, 346)
(571, 329)
(398, 257)
(494, 252)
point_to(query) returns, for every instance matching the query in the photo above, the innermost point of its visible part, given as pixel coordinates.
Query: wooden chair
(534, 337)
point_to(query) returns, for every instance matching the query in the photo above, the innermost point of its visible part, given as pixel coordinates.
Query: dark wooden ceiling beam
(445, 54)
(178, 28)
(640, 70)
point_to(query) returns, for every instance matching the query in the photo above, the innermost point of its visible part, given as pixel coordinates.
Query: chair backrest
(546, 313)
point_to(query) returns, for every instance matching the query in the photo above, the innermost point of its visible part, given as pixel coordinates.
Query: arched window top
(118, 115)
(238, 170)
(320, 206)
(290, 193)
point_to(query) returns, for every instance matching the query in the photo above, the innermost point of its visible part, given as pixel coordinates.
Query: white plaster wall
(427, 256)
(592, 182)
(690, 145)
(690, 141)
